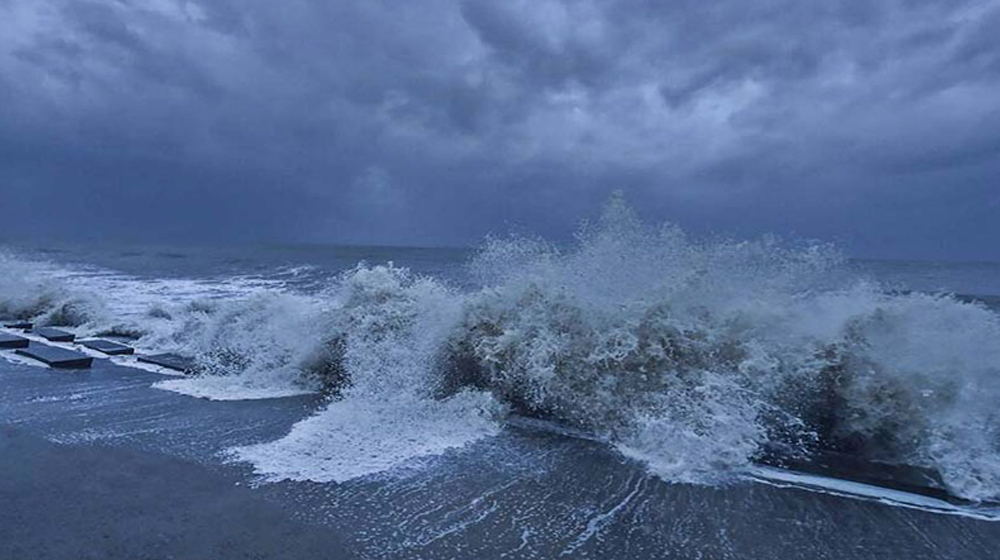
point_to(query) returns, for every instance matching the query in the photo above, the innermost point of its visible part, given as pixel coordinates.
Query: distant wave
(991, 301)
(693, 357)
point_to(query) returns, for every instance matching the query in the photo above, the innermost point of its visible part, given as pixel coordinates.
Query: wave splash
(698, 357)
(695, 357)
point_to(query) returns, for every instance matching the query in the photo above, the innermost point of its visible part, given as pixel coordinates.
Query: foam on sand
(226, 388)
(359, 437)
(858, 490)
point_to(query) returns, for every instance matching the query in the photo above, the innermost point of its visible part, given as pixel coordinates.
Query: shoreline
(98, 464)
(78, 502)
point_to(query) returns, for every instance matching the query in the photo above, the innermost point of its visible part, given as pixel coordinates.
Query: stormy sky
(873, 124)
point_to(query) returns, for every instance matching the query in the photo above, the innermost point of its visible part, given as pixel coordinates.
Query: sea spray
(258, 346)
(391, 324)
(696, 357)
(30, 293)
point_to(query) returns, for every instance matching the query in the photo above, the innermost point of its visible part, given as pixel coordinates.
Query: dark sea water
(621, 397)
(305, 266)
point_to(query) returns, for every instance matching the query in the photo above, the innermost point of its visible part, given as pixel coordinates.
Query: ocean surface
(621, 396)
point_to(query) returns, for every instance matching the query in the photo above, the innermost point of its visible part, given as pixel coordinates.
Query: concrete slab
(12, 341)
(108, 347)
(175, 362)
(23, 325)
(54, 335)
(56, 357)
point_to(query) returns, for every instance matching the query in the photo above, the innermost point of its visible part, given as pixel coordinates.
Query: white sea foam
(693, 356)
(858, 490)
(392, 324)
(232, 388)
(361, 436)
(249, 326)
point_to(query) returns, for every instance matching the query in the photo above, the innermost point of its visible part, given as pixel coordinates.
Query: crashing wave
(695, 357)
(30, 294)
(699, 357)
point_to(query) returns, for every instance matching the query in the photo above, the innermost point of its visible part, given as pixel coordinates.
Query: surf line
(784, 478)
(858, 490)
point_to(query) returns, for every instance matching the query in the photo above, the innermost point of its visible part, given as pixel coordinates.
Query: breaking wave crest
(32, 291)
(700, 357)
(695, 357)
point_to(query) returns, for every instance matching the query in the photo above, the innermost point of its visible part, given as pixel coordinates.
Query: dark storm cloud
(876, 124)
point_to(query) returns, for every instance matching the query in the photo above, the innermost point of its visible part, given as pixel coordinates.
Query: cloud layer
(874, 124)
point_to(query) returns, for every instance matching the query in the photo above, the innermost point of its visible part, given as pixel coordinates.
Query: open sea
(634, 394)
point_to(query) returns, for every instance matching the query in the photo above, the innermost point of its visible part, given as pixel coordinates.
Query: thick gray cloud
(874, 124)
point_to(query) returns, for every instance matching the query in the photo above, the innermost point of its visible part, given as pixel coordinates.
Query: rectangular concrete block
(22, 325)
(11, 341)
(108, 347)
(56, 357)
(54, 335)
(175, 362)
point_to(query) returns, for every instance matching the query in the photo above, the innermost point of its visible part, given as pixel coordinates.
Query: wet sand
(98, 464)
(81, 502)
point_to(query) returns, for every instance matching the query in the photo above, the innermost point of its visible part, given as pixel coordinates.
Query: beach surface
(100, 464)
(79, 502)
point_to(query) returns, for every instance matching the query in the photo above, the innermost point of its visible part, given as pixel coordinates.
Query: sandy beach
(85, 502)
(99, 464)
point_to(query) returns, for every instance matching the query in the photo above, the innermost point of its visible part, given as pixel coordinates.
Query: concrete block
(108, 347)
(12, 341)
(56, 357)
(175, 362)
(54, 335)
